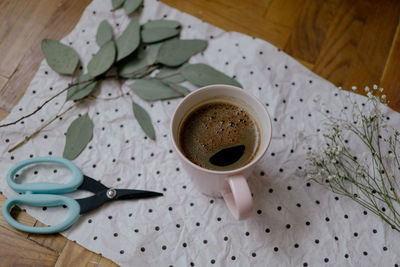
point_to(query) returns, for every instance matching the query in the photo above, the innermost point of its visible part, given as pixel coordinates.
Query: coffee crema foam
(216, 126)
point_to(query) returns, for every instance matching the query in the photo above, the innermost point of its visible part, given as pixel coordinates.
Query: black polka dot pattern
(293, 217)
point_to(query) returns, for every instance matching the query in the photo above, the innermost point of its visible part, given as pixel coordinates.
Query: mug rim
(254, 161)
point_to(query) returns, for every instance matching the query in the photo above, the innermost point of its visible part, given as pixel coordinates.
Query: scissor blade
(95, 201)
(91, 185)
(90, 203)
(135, 194)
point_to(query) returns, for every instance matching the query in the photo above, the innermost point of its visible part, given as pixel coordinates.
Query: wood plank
(342, 40)
(76, 255)
(55, 242)
(254, 8)
(104, 262)
(3, 114)
(23, 33)
(19, 251)
(374, 47)
(19, 215)
(3, 81)
(10, 13)
(285, 12)
(234, 20)
(62, 21)
(390, 80)
(306, 40)
(306, 64)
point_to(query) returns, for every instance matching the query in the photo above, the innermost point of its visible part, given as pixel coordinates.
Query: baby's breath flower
(363, 170)
(354, 88)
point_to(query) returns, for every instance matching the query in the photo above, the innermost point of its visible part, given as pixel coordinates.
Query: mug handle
(238, 198)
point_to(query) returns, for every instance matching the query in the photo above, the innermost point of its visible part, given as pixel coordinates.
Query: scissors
(44, 194)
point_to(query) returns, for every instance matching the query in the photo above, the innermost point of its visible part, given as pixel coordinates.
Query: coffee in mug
(220, 132)
(219, 136)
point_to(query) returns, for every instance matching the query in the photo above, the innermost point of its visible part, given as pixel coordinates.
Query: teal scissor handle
(45, 187)
(41, 200)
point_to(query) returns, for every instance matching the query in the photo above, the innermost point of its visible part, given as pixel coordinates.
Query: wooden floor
(348, 42)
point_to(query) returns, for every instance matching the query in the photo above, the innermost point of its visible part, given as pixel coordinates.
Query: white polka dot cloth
(296, 223)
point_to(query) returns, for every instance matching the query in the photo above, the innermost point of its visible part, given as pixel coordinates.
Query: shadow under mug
(232, 184)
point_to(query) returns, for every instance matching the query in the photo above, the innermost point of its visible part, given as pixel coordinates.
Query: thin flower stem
(44, 103)
(43, 126)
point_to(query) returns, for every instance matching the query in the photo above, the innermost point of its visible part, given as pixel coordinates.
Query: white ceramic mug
(231, 185)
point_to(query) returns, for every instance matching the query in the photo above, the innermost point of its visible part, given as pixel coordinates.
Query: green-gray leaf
(103, 59)
(152, 35)
(162, 23)
(144, 120)
(79, 134)
(138, 61)
(175, 52)
(152, 89)
(61, 58)
(81, 90)
(171, 74)
(178, 88)
(131, 5)
(117, 3)
(104, 33)
(129, 40)
(203, 75)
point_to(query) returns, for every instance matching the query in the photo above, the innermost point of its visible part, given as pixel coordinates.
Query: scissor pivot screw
(111, 193)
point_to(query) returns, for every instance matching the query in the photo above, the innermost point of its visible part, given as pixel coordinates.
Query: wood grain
(21, 34)
(16, 250)
(235, 19)
(314, 21)
(342, 40)
(81, 256)
(54, 242)
(375, 43)
(19, 215)
(60, 23)
(391, 76)
(3, 81)
(285, 12)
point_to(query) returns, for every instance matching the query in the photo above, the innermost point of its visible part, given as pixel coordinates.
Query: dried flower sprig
(367, 172)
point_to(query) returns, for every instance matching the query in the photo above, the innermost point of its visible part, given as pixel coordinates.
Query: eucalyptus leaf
(144, 120)
(162, 23)
(175, 52)
(182, 90)
(79, 134)
(173, 75)
(104, 33)
(117, 3)
(131, 5)
(102, 60)
(203, 75)
(152, 89)
(129, 40)
(61, 58)
(79, 91)
(153, 35)
(138, 61)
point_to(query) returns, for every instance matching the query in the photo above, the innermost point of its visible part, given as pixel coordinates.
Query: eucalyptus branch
(44, 126)
(169, 52)
(44, 103)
